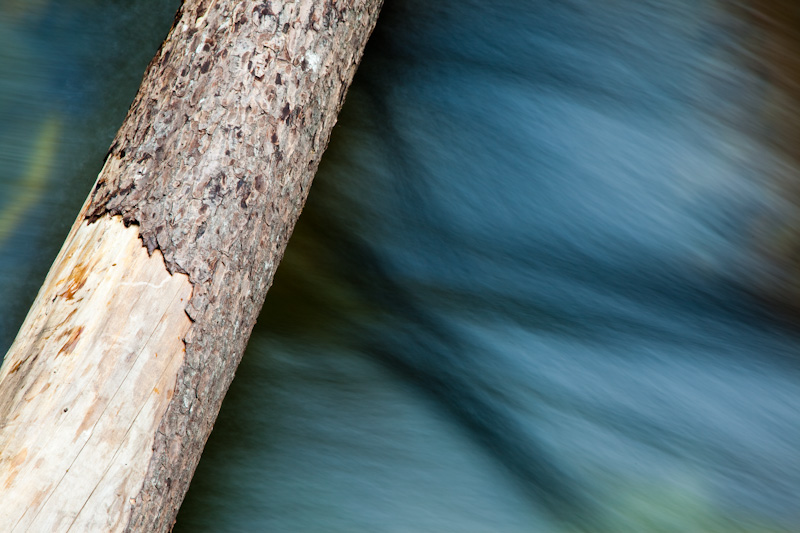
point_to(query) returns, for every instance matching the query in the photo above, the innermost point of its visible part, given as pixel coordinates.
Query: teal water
(527, 292)
(68, 72)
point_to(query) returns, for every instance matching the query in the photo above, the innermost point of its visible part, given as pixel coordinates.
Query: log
(112, 386)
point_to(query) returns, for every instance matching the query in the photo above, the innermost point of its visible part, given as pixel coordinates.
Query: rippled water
(544, 280)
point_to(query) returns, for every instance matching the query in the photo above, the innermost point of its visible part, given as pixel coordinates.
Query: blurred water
(68, 72)
(538, 285)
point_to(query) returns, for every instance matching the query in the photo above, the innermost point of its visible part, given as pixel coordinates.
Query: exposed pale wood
(84, 390)
(112, 387)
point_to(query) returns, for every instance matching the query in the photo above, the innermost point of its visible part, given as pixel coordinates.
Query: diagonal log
(114, 381)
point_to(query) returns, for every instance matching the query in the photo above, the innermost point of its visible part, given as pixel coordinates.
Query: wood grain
(83, 391)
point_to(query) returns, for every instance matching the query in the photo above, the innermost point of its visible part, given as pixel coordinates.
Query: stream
(546, 278)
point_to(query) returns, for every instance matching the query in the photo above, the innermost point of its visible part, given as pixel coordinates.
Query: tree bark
(112, 386)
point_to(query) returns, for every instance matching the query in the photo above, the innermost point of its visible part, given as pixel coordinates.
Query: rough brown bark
(212, 164)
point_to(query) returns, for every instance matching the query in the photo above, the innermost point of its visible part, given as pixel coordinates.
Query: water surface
(543, 281)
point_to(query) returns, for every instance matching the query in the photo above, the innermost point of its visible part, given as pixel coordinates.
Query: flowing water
(546, 279)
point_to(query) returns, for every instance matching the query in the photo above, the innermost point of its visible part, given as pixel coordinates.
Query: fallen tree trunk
(112, 385)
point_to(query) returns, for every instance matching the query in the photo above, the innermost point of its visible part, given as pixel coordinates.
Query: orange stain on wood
(74, 334)
(76, 281)
(19, 458)
(19, 364)
(14, 465)
(16, 366)
(88, 421)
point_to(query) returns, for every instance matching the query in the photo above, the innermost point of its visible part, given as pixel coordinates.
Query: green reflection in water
(34, 182)
(69, 71)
